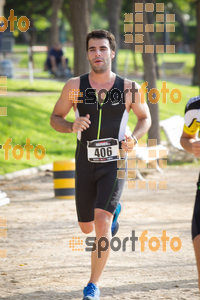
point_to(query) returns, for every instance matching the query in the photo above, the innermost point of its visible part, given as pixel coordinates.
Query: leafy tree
(150, 77)
(54, 31)
(198, 41)
(79, 20)
(30, 10)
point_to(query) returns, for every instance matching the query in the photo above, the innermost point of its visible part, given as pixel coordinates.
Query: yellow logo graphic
(3, 233)
(23, 23)
(74, 94)
(18, 150)
(76, 244)
(140, 27)
(152, 157)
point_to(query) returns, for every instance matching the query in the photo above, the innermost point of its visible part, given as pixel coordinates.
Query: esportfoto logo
(116, 244)
(116, 97)
(23, 23)
(18, 150)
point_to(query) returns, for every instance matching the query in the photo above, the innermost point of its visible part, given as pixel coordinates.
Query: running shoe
(91, 292)
(115, 223)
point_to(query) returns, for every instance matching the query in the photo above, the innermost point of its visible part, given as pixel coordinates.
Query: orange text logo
(23, 23)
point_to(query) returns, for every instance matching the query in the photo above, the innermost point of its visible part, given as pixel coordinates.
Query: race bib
(104, 150)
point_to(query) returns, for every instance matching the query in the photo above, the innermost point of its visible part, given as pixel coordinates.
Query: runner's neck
(99, 81)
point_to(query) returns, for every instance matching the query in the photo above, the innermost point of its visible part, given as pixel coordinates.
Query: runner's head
(101, 34)
(100, 45)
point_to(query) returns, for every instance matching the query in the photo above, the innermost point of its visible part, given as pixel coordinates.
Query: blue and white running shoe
(91, 292)
(115, 223)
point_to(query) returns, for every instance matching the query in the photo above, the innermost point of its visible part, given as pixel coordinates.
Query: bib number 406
(103, 152)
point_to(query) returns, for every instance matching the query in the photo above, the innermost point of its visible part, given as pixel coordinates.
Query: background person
(189, 141)
(56, 62)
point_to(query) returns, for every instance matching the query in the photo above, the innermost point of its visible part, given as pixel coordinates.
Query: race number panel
(104, 150)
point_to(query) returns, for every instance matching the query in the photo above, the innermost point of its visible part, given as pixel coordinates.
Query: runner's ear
(112, 54)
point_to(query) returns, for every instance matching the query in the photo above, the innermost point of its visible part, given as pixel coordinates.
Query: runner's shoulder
(69, 88)
(128, 84)
(72, 83)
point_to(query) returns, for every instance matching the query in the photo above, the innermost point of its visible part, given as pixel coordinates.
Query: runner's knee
(103, 222)
(87, 227)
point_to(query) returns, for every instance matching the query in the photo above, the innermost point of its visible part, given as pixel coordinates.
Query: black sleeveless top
(109, 119)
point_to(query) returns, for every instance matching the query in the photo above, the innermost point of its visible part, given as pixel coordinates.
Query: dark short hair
(101, 34)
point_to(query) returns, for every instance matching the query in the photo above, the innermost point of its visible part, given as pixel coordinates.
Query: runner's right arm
(62, 108)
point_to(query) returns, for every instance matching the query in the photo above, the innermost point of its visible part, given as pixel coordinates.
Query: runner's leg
(196, 229)
(86, 227)
(196, 244)
(103, 221)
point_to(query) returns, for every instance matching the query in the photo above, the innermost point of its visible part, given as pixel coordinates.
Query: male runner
(98, 189)
(190, 142)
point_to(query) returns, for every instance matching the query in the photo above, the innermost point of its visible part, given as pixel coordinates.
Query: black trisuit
(97, 185)
(192, 125)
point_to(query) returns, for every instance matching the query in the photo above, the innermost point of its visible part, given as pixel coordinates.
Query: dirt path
(40, 264)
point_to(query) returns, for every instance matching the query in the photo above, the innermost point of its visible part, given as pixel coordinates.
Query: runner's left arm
(141, 110)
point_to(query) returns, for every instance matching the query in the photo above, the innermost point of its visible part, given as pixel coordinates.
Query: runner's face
(99, 55)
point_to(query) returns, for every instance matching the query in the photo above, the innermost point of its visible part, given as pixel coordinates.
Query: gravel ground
(41, 265)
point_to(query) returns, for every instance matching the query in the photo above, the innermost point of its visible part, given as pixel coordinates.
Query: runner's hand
(81, 123)
(129, 144)
(196, 148)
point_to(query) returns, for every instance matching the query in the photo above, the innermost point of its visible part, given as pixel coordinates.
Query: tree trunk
(79, 19)
(150, 77)
(133, 45)
(183, 25)
(151, 20)
(30, 38)
(54, 31)
(91, 5)
(195, 76)
(114, 9)
(198, 42)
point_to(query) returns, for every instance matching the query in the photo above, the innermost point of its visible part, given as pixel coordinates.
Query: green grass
(128, 54)
(38, 85)
(39, 60)
(189, 60)
(169, 109)
(28, 117)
